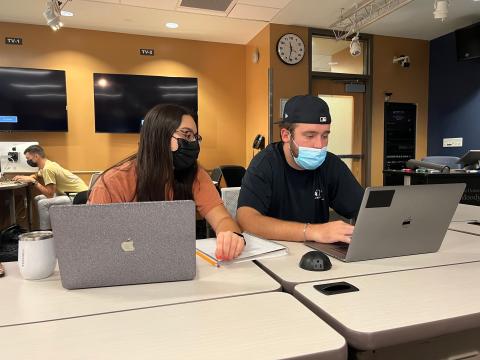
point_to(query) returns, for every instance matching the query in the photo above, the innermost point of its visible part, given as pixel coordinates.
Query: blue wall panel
(454, 99)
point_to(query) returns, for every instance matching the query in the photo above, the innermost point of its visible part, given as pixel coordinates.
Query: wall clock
(290, 49)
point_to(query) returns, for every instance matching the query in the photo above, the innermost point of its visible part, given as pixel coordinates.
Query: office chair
(233, 175)
(450, 161)
(94, 179)
(230, 199)
(216, 175)
(81, 197)
(73, 195)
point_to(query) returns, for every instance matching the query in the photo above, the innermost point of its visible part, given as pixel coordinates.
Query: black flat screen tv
(33, 100)
(468, 42)
(122, 101)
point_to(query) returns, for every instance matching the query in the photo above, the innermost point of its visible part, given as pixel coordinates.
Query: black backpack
(9, 242)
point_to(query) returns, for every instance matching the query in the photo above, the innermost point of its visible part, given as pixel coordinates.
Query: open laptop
(397, 221)
(123, 244)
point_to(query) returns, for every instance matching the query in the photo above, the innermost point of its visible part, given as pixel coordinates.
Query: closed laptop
(124, 243)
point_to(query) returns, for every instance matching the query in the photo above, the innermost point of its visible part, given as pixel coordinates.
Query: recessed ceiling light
(171, 25)
(66, 13)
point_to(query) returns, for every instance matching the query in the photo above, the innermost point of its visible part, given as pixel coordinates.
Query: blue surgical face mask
(310, 158)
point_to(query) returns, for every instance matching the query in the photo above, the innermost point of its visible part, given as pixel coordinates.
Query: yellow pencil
(207, 258)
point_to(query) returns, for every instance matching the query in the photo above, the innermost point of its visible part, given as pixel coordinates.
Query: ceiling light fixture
(363, 14)
(53, 13)
(440, 9)
(66, 13)
(171, 25)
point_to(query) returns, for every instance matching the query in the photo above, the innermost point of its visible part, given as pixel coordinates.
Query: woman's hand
(229, 245)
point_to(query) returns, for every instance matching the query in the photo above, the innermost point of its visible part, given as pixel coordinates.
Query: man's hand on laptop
(229, 245)
(330, 232)
(24, 179)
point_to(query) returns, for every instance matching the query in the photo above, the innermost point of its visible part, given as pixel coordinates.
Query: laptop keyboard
(340, 244)
(339, 247)
(9, 182)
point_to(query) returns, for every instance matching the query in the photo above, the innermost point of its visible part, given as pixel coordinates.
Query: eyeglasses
(189, 136)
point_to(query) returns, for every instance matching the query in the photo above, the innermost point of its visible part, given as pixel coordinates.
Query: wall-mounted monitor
(468, 42)
(122, 101)
(33, 100)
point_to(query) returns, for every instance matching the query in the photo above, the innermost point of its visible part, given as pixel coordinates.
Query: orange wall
(220, 69)
(408, 85)
(257, 90)
(288, 80)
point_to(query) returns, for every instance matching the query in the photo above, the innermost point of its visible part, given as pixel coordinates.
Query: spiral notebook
(256, 248)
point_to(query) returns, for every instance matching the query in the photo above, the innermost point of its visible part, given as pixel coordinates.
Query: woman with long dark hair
(165, 168)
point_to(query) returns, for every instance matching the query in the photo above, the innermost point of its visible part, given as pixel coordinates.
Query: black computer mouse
(315, 261)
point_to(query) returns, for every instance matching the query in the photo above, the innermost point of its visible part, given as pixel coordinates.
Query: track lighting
(53, 13)
(440, 9)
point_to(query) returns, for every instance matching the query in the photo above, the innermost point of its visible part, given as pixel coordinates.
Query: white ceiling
(242, 21)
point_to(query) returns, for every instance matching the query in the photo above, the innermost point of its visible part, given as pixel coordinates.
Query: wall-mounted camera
(355, 46)
(403, 60)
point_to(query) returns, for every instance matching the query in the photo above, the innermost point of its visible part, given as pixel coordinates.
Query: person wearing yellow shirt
(57, 181)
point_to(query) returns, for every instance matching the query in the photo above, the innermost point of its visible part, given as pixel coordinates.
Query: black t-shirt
(275, 189)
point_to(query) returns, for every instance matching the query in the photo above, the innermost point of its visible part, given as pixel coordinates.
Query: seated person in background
(289, 187)
(165, 168)
(56, 182)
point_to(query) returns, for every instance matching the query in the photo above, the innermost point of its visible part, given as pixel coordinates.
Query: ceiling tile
(241, 11)
(276, 4)
(152, 4)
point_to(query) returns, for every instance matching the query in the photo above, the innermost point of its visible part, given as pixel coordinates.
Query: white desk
(402, 307)
(27, 301)
(456, 248)
(464, 215)
(265, 326)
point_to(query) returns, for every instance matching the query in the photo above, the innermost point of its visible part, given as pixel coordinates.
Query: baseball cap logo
(286, 115)
(323, 119)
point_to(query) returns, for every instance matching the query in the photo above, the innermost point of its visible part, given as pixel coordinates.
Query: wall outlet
(452, 142)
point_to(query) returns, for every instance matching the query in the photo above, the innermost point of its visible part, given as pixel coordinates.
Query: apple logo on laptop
(407, 222)
(127, 246)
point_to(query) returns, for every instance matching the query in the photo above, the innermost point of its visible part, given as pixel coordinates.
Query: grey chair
(216, 175)
(450, 161)
(230, 199)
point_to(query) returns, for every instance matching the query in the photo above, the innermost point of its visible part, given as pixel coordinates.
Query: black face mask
(186, 154)
(32, 163)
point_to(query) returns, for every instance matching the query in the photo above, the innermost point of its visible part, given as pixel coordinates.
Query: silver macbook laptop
(122, 244)
(397, 221)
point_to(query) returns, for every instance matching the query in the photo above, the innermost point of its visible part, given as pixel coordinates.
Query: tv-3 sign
(13, 41)
(147, 52)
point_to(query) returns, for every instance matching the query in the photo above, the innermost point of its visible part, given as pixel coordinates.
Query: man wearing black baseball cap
(289, 187)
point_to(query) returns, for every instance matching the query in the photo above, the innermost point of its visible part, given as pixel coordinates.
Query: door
(347, 110)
